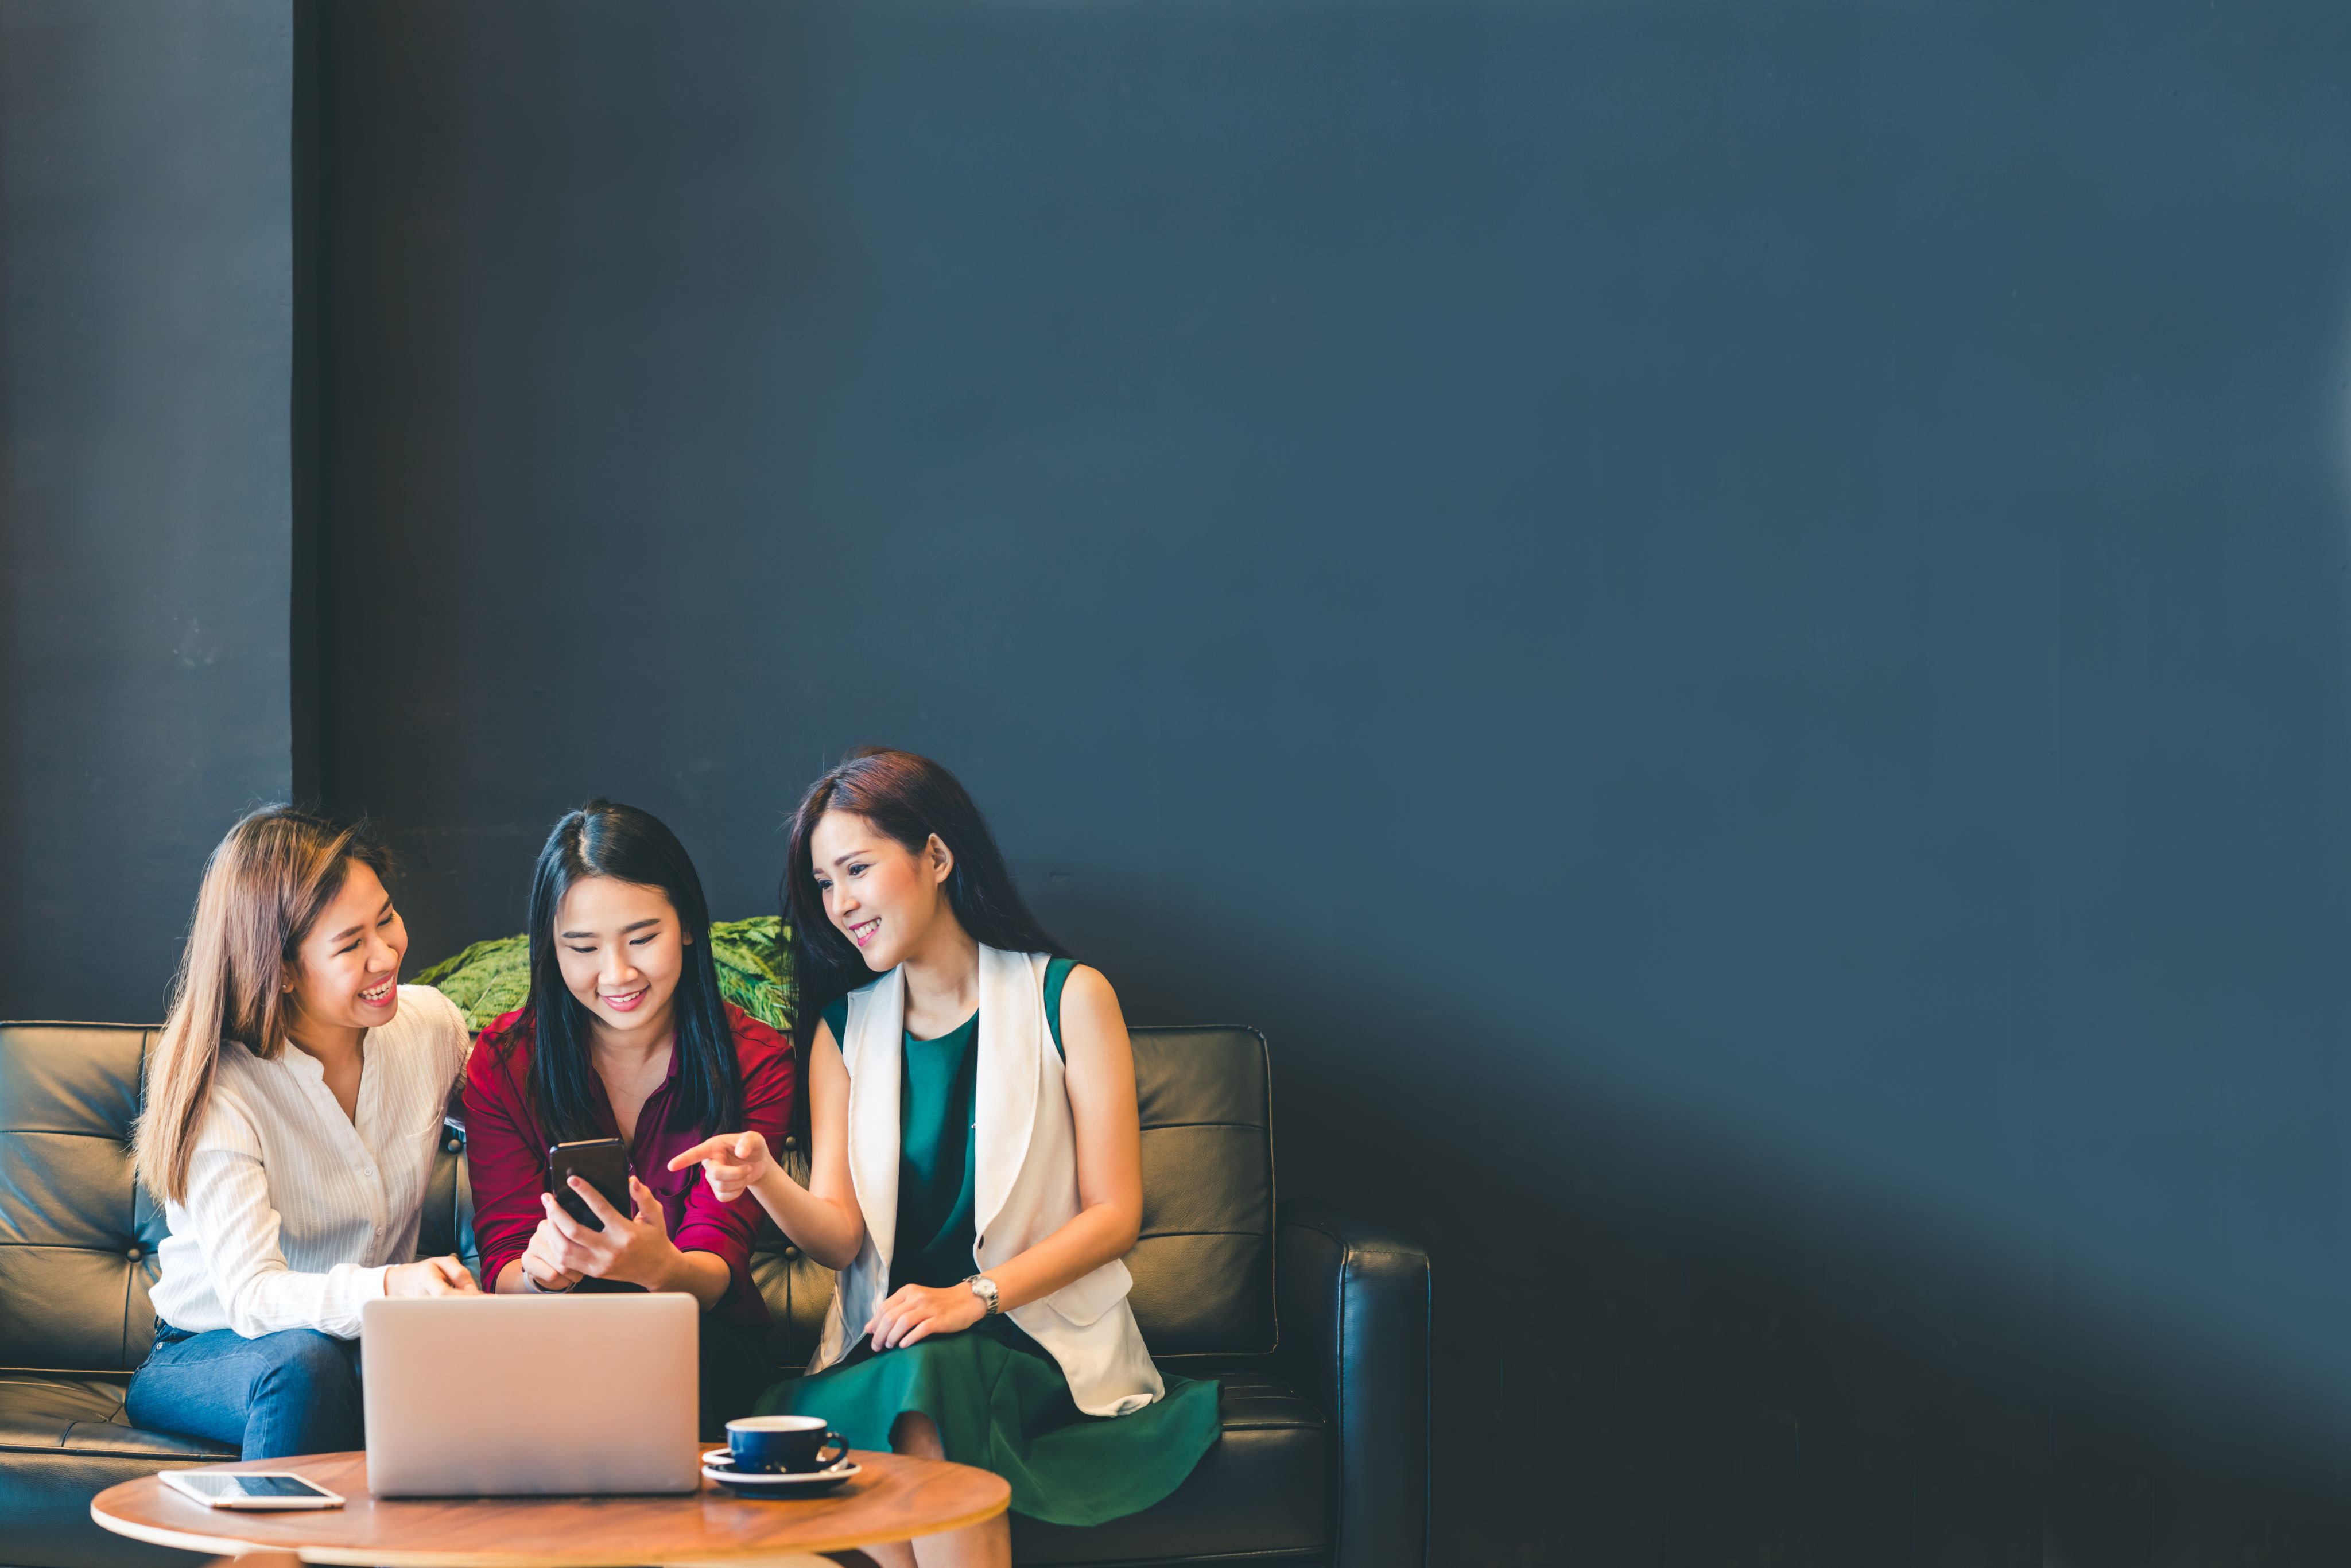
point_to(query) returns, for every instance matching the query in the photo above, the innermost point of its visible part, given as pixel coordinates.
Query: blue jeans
(293, 1391)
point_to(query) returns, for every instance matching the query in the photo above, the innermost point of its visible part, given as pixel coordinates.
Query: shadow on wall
(1657, 1344)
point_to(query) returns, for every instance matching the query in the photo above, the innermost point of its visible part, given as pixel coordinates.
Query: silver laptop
(507, 1395)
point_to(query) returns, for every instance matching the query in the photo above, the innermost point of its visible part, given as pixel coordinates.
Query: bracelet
(531, 1284)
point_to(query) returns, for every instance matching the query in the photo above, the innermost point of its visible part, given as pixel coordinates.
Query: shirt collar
(604, 1100)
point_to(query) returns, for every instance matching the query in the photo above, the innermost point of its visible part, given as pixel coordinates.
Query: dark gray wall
(145, 336)
(1728, 621)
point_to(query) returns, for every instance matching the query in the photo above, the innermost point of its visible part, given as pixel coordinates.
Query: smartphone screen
(603, 1164)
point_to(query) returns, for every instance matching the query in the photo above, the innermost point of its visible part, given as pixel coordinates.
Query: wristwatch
(985, 1288)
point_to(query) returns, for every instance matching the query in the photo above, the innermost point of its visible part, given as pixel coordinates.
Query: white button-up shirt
(294, 1210)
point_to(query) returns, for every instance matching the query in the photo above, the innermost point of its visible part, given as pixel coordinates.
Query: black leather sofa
(1316, 1324)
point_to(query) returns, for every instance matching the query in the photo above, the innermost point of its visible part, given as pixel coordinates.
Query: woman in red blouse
(626, 1037)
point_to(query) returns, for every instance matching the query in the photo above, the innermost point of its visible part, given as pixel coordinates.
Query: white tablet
(271, 1490)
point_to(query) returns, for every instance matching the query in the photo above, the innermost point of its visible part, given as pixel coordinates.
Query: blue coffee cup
(771, 1445)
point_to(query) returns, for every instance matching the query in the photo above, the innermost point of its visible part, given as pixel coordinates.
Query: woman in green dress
(975, 1171)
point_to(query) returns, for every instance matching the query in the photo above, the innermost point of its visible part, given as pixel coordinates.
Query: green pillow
(754, 958)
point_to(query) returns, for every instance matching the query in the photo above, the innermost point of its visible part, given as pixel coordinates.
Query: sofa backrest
(77, 1235)
(1204, 1268)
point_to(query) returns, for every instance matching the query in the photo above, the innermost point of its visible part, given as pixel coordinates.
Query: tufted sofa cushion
(78, 1237)
(1204, 1267)
(77, 1241)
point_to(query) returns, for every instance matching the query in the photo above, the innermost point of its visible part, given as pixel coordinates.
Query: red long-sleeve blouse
(506, 1151)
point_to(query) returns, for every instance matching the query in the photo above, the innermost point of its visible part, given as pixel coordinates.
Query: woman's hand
(539, 1263)
(732, 1163)
(430, 1277)
(636, 1250)
(917, 1311)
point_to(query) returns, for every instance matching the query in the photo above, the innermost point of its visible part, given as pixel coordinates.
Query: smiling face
(621, 951)
(882, 896)
(346, 971)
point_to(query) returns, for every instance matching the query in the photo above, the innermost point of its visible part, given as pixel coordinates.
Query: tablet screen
(250, 1486)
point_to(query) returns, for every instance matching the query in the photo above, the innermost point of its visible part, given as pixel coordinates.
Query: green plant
(753, 958)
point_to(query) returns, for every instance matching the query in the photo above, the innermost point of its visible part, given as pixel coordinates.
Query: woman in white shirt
(294, 1104)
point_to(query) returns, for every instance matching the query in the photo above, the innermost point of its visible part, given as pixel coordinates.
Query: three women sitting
(974, 1167)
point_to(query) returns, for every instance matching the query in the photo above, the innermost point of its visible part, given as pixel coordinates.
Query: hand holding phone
(602, 1164)
(631, 1249)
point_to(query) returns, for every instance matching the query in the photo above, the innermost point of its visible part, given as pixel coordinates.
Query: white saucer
(718, 1465)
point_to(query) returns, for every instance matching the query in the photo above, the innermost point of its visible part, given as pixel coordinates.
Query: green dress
(997, 1398)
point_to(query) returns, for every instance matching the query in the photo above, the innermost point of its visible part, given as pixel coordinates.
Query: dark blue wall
(1727, 620)
(145, 352)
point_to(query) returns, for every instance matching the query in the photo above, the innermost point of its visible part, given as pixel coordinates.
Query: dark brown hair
(907, 797)
(605, 838)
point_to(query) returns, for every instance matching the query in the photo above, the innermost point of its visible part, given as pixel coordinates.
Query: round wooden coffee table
(894, 1499)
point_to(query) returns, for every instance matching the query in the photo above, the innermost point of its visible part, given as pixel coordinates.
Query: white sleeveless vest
(1025, 1177)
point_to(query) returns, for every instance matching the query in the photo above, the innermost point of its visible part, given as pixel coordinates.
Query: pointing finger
(700, 1151)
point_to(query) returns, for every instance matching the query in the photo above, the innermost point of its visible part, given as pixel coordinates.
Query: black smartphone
(603, 1164)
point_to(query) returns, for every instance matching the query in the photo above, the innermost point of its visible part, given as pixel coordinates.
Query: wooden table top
(894, 1499)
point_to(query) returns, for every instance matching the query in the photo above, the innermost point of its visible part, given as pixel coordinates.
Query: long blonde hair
(265, 887)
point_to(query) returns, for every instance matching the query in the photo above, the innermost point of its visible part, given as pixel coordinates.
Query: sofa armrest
(1353, 1302)
(448, 1223)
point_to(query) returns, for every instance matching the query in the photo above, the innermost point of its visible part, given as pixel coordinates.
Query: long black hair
(907, 797)
(604, 838)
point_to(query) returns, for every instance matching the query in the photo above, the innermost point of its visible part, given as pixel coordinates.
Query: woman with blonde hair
(293, 1105)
